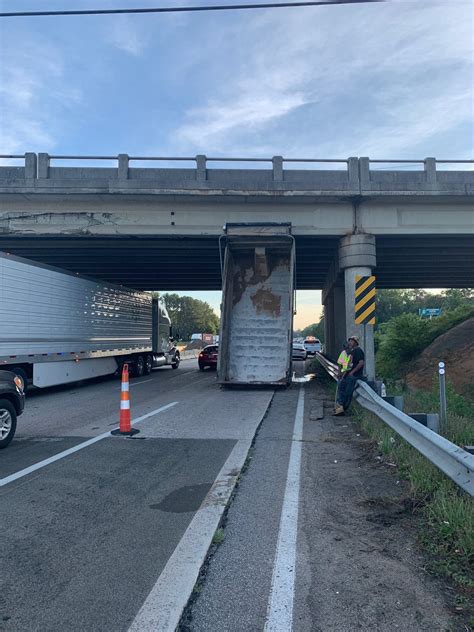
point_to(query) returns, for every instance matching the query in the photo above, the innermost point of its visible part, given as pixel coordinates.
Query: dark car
(12, 402)
(208, 357)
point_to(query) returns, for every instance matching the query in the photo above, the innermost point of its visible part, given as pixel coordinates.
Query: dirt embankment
(456, 349)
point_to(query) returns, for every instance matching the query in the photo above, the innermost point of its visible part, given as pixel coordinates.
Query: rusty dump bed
(257, 312)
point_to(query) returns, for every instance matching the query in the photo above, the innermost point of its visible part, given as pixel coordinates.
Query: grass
(218, 537)
(447, 513)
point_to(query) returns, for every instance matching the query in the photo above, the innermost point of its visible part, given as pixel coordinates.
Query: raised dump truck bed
(257, 310)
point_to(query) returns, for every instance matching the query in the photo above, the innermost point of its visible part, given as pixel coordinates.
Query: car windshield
(210, 350)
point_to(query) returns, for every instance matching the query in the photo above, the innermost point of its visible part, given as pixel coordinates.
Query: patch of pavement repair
(184, 499)
(359, 565)
(173, 592)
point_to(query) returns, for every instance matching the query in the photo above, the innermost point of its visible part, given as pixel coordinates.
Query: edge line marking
(280, 601)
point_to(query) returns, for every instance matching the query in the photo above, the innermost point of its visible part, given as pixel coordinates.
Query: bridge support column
(329, 339)
(339, 318)
(357, 257)
(334, 321)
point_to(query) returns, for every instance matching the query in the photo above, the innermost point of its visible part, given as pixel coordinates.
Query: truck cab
(312, 345)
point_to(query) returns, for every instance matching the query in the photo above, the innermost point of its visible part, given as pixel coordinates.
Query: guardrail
(446, 456)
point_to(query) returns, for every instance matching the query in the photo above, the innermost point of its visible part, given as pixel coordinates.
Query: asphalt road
(112, 536)
(85, 538)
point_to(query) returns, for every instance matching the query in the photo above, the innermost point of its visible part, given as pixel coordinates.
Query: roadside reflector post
(443, 417)
(125, 427)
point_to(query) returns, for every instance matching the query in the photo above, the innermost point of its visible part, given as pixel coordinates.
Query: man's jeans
(345, 391)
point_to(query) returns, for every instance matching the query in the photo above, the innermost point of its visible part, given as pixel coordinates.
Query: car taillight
(18, 382)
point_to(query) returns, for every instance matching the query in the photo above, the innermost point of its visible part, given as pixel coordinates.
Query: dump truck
(257, 311)
(58, 327)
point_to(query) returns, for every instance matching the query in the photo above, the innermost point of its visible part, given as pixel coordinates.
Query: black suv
(12, 402)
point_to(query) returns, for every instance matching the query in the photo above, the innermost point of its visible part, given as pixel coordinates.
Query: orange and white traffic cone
(125, 416)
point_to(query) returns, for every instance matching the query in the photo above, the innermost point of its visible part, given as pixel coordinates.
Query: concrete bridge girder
(41, 214)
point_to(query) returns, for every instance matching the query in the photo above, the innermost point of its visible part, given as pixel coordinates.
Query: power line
(230, 7)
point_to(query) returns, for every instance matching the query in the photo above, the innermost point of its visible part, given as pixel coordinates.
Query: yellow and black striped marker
(365, 300)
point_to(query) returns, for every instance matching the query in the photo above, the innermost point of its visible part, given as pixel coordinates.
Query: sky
(385, 80)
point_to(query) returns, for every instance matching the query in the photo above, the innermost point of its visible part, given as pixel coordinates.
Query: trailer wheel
(148, 364)
(7, 422)
(176, 361)
(139, 366)
(22, 375)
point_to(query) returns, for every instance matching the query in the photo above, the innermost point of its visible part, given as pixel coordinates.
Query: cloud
(338, 81)
(127, 37)
(33, 96)
(216, 121)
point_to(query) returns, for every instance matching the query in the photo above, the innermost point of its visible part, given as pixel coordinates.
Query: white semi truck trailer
(57, 327)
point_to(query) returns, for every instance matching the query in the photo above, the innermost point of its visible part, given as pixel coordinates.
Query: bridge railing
(350, 176)
(455, 462)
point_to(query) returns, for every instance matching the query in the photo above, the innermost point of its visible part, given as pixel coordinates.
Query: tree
(190, 315)
(453, 298)
(316, 330)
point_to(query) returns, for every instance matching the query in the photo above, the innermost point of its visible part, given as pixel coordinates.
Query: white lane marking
(164, 605)
(76, 448)
(142, 382)
(280, 602)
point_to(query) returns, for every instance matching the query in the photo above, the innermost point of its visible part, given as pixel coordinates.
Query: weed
(218, 536)
(447, 512)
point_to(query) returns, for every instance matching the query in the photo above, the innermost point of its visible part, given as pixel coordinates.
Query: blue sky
(389, 80)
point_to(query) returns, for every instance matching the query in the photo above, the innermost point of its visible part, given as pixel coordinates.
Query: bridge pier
(357, 257)
(334, 321)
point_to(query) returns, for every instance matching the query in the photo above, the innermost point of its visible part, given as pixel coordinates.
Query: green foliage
(450, 537)
(218, 537)
(391, 303)
(403, 337)
(460, 411)
(316, 330)
(189, 315)
(449, 319)
(448, 512)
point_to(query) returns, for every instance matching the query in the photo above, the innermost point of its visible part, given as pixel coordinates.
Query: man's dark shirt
(357, 355)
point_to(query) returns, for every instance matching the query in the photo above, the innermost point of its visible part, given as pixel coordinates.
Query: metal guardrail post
(443, 415)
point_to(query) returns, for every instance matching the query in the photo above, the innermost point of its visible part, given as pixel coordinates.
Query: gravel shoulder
(360, 567)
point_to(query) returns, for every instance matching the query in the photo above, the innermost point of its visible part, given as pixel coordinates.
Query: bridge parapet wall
(351, 177)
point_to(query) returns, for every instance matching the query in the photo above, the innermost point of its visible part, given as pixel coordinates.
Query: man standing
(349, 378)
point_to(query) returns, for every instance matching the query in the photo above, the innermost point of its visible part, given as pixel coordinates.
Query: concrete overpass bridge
(158, 227)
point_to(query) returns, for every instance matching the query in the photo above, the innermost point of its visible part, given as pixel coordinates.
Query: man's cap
(355, 338)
